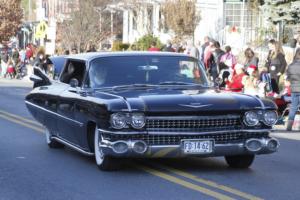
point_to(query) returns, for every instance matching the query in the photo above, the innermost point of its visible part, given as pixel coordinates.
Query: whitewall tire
(103, 161)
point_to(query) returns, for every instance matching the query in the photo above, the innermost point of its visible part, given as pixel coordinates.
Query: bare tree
(10, 18)
(181, 16)
(88, 25)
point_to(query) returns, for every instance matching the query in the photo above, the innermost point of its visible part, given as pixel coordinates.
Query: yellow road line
(22, 123)
(184, 183)
(209, 183)
(162, 152)
(21, 118)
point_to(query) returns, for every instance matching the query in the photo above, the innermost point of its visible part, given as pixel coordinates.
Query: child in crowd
(234, 82)
(251, 81)
(10, 69)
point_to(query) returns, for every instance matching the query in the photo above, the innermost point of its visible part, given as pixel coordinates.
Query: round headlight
(137, 121)
(251, 118)
(270, 118)
(118, 121)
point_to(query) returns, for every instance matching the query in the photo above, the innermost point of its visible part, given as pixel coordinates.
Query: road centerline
(20, 117)
(22, 123)
(184, 183)
(208, 182)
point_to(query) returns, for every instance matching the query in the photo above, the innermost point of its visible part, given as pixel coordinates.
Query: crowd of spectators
(268, 78)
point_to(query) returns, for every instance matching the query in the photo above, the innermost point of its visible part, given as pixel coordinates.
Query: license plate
(197, 146)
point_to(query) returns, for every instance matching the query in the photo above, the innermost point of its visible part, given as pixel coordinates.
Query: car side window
(73, 69)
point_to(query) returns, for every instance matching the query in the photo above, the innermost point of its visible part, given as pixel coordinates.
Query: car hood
(181, 100)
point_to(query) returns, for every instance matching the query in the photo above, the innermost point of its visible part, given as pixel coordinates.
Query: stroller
(283, 103)
(21, 70)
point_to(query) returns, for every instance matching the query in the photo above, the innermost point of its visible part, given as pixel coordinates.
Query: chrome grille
(193, 123)
(220, 138)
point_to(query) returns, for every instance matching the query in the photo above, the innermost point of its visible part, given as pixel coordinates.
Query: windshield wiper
(176, 83)
(136, 85)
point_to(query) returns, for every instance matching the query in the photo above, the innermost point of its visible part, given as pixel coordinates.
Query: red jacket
(153, 49)
(236, 84)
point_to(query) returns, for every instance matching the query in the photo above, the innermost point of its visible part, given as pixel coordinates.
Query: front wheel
(103, 161)
(52, 143)
(240, 161)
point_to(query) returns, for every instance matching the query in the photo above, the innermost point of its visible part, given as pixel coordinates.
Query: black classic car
(142, 104)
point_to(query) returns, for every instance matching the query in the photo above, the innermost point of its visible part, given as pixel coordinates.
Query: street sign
(41, 30)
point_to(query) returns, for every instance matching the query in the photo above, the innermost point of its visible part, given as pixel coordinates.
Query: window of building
(134, 20)
(234, 14)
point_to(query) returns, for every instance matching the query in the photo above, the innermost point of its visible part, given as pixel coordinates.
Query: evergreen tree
(282, 10)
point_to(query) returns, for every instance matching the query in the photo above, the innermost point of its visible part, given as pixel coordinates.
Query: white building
(228, 21)
(53, 11)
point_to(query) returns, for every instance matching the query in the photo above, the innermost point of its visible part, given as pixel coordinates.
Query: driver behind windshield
(97, 76)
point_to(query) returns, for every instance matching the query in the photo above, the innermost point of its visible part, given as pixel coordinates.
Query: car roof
(93, 55)
(58, 62)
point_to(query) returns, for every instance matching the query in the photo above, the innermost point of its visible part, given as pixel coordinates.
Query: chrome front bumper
(249, 146)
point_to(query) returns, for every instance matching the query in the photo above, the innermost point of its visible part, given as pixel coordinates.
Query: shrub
(119, 46)
(144, 43)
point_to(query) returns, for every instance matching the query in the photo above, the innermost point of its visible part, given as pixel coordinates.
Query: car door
(68, 126)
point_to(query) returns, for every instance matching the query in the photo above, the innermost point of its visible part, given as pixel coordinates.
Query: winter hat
(253, 67)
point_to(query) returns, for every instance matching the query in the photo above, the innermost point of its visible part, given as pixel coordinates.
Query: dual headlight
(252, 118)
(122, 120)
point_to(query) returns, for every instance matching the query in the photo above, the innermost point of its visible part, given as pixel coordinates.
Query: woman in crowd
(250, 58)
(228, 58)
(276, 63)
(293, 76)
(214, 60)
(40, 60)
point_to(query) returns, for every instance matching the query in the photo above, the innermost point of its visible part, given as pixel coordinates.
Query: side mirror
(39, 78)
(35, 78)
(74, 83)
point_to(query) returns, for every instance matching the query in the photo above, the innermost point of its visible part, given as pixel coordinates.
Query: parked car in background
(142, 104)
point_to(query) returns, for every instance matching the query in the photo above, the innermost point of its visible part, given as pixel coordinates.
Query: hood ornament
(195, 105)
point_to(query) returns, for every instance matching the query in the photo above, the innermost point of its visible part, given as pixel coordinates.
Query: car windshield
(145, 70)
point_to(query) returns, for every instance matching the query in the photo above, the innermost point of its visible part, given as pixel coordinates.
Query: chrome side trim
(180, 133)
(72, 146)
(54, 113)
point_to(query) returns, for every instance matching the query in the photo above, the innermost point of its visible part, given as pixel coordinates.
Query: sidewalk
(280, 132)
(25, 82)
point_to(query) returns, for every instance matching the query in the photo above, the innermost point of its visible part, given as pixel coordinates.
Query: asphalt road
(30, 170)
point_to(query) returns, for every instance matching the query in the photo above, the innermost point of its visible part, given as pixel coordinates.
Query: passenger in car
(66, 77)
